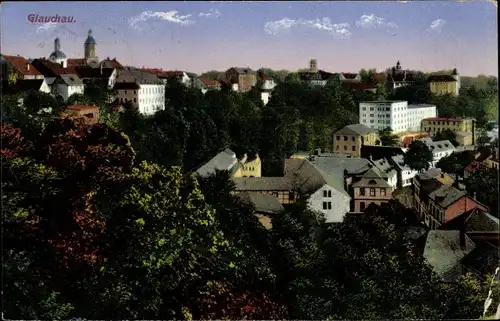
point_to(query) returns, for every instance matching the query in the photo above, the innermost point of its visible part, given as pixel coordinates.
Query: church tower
(58, 56)
(90, 48)
(313, 65)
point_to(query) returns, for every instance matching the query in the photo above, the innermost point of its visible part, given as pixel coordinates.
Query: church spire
(57, 45)
(90, 33)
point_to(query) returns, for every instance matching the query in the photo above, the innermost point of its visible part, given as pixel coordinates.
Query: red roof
(454, 118)
(473, 166)
(22, 65)
(113, 63)
(209, 82)
(174, 73)
(74, 62)
(81, 107)
(52, 67)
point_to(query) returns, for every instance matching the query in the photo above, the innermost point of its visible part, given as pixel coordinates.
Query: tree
(386, 138)
(79, 99)
(419, 156)
(483, 139)
(446, 134)
(455, 163)
(483, 185)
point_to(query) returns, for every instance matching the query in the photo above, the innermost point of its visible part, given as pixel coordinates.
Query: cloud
(170, 16)
(211, 13)
(279, 26)
(436, 25)
(372, 21)
(46, 27)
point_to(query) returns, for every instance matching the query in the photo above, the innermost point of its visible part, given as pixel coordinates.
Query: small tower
(456, 76)
(90, 48)
(398, 65)
(313, 65)
(58, 56)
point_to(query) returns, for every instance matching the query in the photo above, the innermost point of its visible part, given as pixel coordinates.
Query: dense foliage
(100, 221)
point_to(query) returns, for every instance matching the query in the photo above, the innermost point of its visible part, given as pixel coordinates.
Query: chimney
(463, 244)
(28, 67)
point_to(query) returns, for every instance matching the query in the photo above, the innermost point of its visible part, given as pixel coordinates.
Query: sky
(211, 35)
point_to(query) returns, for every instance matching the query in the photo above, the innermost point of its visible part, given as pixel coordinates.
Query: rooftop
(355, 129)
(22, 65)
(263, 203)
(384, 102)
(224, 160)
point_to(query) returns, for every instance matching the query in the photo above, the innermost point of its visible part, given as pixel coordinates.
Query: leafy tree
(418, 156)
(387, 138)
(79, 99)
(483, 139)
(455, 163)
(446, 134)
(484, 185)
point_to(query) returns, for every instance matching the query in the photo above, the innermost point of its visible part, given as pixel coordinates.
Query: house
(319, 78)
(386, 171)
(302, 179)
(241, 79)
(23, 86)
(266, 206)
(348, 77)
(464, 128)
(444, 251)
(409, 137)
(89, 113)
(370, 189)
(268, 85)
(17, 67)
(141, 88)
(206, 84)
(181, 76)
(360, 86)
(445, 84)
(440, 176)
(111, 63)
(479, 225)
(67, 85)
(397, 77)
(378, 152)
(404, 172)
(483, 159)
(227, 160)
(439, 149)
(102, 76)
(492, 160)
(437, 203)
(51, 70)
(351, 138)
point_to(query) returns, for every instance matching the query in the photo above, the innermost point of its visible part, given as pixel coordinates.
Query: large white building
(397, 115)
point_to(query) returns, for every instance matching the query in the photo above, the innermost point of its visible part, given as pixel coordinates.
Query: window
(89, 115)
(382, 192)
(328, 205)
(353, 148)
(325, 194)
(362, 191)
(364, 108)
(345, 147)
(135, 92)
(135, 100)
(372, 192)
(329, 193)
(362, 206)
(353, 138)
(337, 147)
(125, 92)
(338, 137)
(325, 205)
(345, 138)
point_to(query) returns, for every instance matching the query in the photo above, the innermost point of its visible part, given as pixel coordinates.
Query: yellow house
(248, 167)
(349, 139)
(440, 176)
(445, 84)
(463, 128)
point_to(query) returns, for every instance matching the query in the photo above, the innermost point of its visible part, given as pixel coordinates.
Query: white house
(397, 115)
(142, 88)
(439, 149)
(386, 171)
(333, 203)
(67, 85)
(405, 173)
(267, 88)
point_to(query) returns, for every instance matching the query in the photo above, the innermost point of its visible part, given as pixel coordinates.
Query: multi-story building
(437, 203)
(350, 138)
(143, 89)
(439, 149)
(241, 79)
(370, 189)
(445, 84)
(227, 160)
(386, 171)
(464, 128)
(397, 115)
(302, 180)
(405, 173)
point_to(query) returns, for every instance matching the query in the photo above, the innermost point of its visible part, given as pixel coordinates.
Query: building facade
(350, 138)
(464, 128)
(397, 115)
(370, 189)
(241, 79)
(445, 84)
